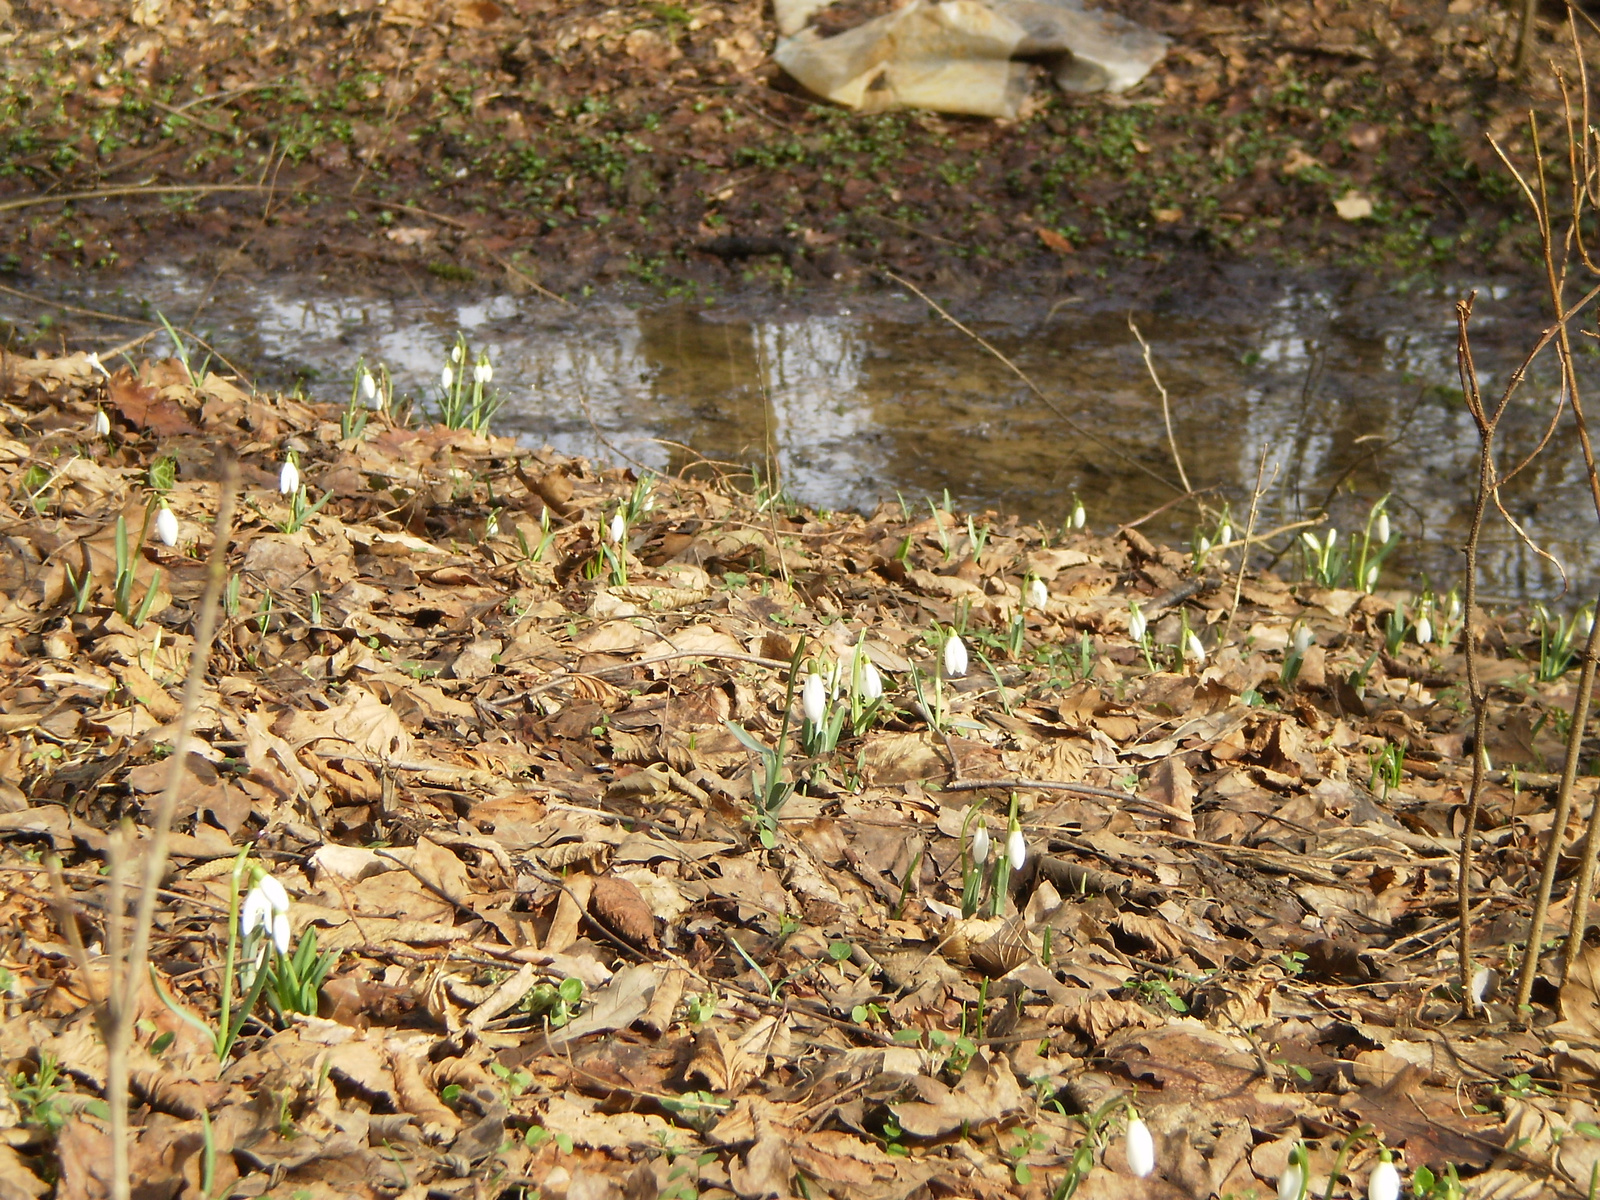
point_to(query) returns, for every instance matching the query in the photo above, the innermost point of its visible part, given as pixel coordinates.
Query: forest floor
(610, 920)
(568, 144)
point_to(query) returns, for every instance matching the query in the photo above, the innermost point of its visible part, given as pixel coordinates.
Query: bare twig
(1166, 405)
(129, 969)
(1249, 533)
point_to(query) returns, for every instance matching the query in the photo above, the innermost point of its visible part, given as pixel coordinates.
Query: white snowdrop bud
(871, 682)
(1193, 650)
(1225, 536)
(618, 528)
(289, 478)
(955, 656)
(814, 698)
(280, 932)
(1380, 529)
(1302, 639)
(980, 843)
(1384, 1183)
(1037, 595)
(492, 526)
(455, 353)
(1424, 630)
(1137, 623)
(1333, 536)
(1079, 516)
(369, 388)
(102, 423)
(446, 377)
(1016, 849)
(1140, 1148)
(483, 372)
(1372, 576)
(1310, 539)
(167, 526)
(1203, 545)
(1292, 1182)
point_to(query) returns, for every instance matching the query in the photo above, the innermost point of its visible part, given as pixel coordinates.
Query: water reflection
(1350, 391)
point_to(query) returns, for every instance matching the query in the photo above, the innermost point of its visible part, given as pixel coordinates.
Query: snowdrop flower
(94, 361)
(369, 389)
(1310, 539)
(980, 843)
(1333, 536)
(1203, 546)
(102, 423)
(492, 526)
(455, 353)
(1079, 517)
(1016, 848)
(1302, 639)
(1292, 1183)
(1036, 595)
(1454, 609)
(447, 377)
(1424, 630)
(1384, 1182)
(1372, 576)
(871, 682)
(289, 478)
(814, 698)
(1193, 650)
(955, 656)
(1137, 623)
(618, 528)
(166, 525)
(1380, 529)
(1140, 1149)
(483, 372)
(1225, 535)
(266, 907)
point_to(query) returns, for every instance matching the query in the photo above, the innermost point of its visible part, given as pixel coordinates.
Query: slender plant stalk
(1591, 842)
(1249, 532)
(1486, 424)
(1558, 828)
(130, 960)
(1166, 405)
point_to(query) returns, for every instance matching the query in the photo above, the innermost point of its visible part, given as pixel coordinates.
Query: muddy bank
(566, 145)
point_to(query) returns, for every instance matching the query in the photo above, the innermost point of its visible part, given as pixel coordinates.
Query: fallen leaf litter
(484, 774)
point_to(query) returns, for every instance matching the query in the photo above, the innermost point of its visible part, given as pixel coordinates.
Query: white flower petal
(256, 912)
(447, 377)
(1140, 1149)
(814, 698)
(618, 528)
(369, 387)
(871, 682)
(1016, 849)
(1038, 595)
(1290, 1183)
(289, 479)
(980, 843)
(280, 932)
(1384, 1183)
(1137, 622)
(167, 526)
(955, 656)
(102, 423)
(273, 891)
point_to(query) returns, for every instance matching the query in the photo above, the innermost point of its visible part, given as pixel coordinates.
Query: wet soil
(568, 145)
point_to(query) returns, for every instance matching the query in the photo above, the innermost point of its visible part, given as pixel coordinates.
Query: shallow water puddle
(854, 399)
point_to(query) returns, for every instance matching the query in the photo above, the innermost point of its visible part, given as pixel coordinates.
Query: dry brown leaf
(617, 902)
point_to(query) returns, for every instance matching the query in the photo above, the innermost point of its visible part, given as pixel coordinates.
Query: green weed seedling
(36, 1097)
(122, 589)
(1425, 1185)
(1558, 640)
(555, 1002)
(196, 376)
(294, 980)
(1388, 768)
(769, 790)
